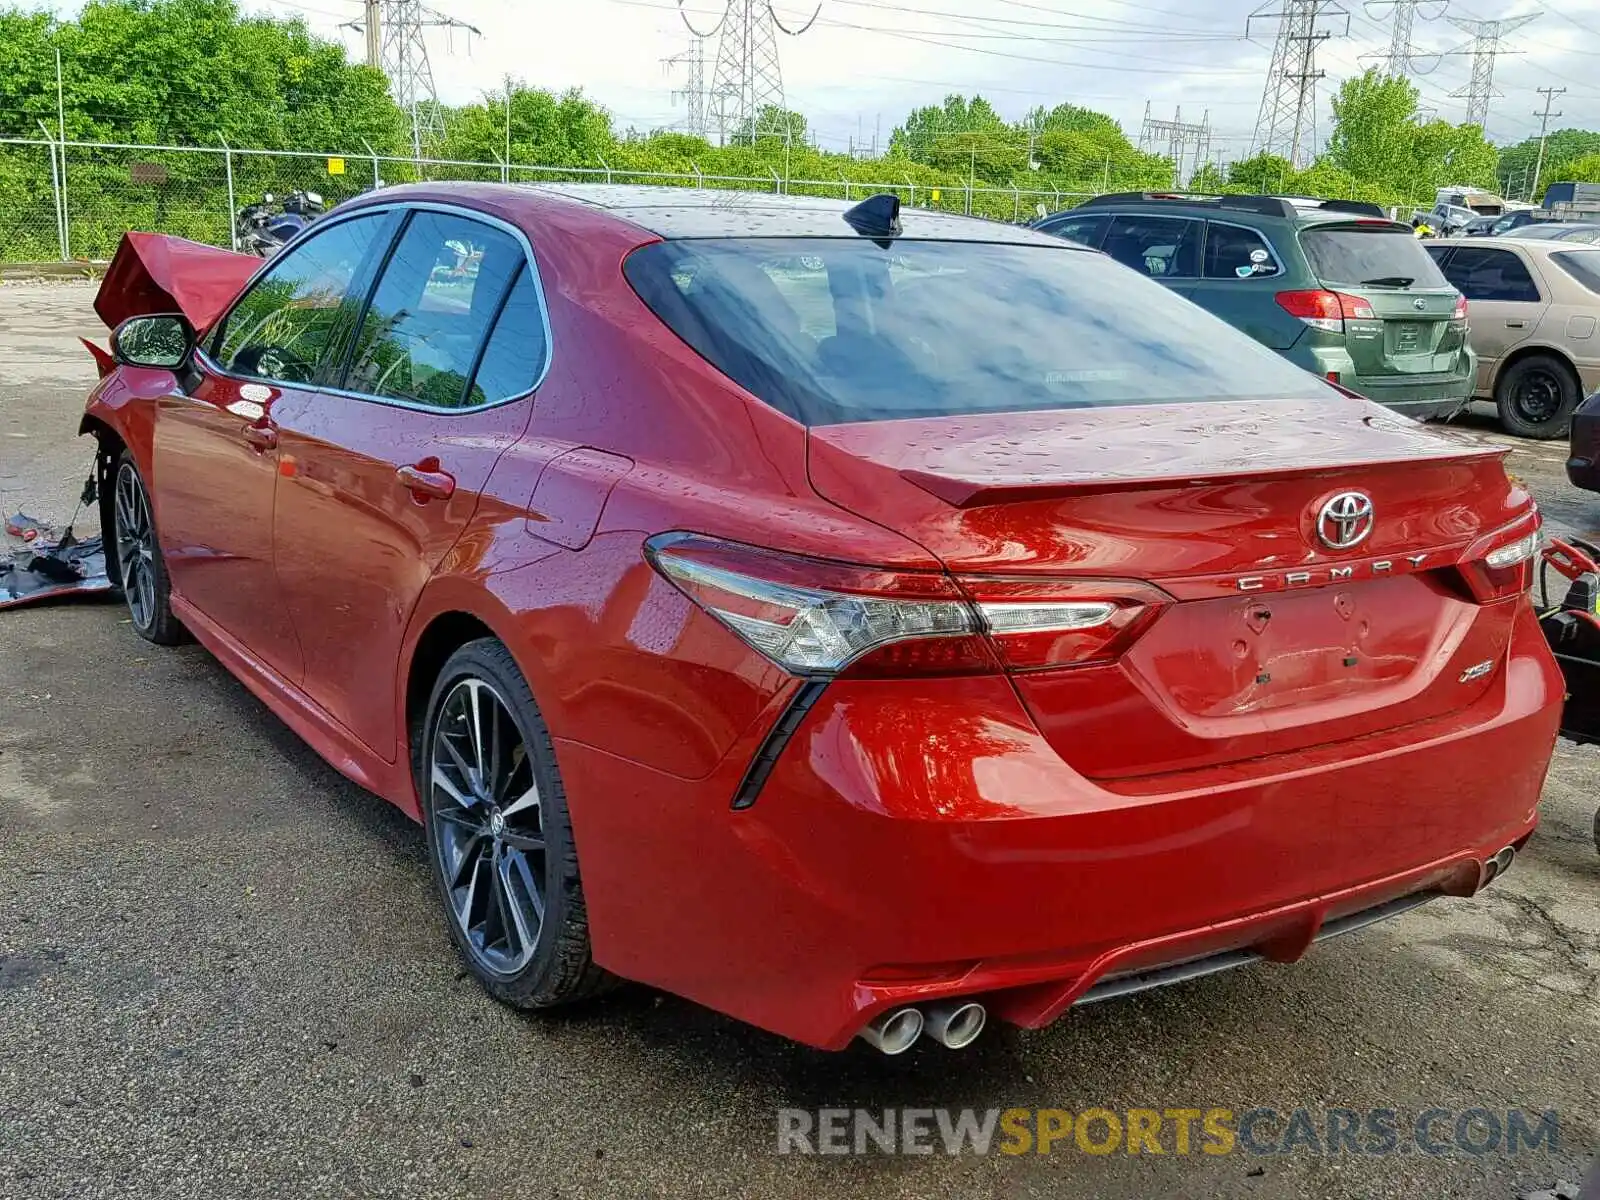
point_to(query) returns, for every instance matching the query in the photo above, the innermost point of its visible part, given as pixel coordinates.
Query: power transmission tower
(747, 79)
(1402, 58)
(1287, 124)
(393, 32)
(693, 92)
(1549, 94)
(1485, 47)
(1178, 135)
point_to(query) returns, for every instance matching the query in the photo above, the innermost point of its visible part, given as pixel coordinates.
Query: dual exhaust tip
(954, 1024)
(1498, 864)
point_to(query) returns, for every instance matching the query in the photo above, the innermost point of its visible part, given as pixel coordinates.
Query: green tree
(1585, 169)
(565, 129)
(1517, 162)
(782, 124)
(1260, 173)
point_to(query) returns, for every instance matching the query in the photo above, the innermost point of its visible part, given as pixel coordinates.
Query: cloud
(865, 63)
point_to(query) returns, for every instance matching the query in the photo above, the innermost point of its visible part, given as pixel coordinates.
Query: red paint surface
(1013, 836)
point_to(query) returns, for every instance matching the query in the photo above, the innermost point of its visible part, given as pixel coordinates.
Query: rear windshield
(833, 330)
(1582, 265)
(1353, 257)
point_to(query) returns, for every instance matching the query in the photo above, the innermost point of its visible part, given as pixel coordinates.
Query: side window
(432, 307)
(1482, 273)
(1234, 252)
(1160, 247)
(286, 325)
(1086, 230)
(515, 353)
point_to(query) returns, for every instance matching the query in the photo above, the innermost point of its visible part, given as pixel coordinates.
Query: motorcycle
(266, 227)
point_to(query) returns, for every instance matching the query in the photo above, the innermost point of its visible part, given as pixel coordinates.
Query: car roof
(672, 212)
(1543, 231)
(1544, 246)
(1238, 209)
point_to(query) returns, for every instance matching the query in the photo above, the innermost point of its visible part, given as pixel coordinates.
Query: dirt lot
(222, 974)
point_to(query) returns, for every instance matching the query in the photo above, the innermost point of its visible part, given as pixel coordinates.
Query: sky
(863, 64)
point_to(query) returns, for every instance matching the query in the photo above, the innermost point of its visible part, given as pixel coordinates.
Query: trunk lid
(1413, 329)
(1274, 641)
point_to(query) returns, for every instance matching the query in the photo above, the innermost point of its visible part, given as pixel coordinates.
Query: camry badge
(1345, 520)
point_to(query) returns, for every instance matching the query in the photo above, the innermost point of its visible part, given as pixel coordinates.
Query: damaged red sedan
(865, 623)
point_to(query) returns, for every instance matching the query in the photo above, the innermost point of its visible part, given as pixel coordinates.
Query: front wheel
(140, 570)
(1536, 397)
(499, 838)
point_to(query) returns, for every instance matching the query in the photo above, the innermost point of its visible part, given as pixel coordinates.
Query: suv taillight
(820, 618)
(1459, 316)
(1325, 310)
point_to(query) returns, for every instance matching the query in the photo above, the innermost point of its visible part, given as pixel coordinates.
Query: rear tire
(499, 836)
(1536, 397)
(133, 558)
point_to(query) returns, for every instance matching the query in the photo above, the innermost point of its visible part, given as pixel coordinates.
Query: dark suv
(1332, 285)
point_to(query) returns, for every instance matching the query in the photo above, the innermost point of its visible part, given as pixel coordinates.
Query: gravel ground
(222, 974)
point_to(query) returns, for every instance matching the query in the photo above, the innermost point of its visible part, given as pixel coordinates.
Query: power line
(1402, 57)
(1287, 123)
(1485, 48)
(393, 31)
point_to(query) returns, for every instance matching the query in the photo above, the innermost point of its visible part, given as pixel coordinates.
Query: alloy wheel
(136, 546)
(1538, 396)
(487, 826)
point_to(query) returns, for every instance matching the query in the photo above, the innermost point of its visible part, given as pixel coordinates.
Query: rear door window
(1085, 230)
(1376, 255)
(1160, 247)
(1234, 252)
(830, 330)
(1485, 273)
(439, 292)
(1582, 265)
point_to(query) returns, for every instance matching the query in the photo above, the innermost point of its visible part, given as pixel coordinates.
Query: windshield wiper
(1390, 281)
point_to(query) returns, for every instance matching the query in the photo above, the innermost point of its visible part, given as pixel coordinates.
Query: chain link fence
(74, 200)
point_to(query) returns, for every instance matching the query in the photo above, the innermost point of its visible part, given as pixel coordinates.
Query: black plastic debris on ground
(40, 571)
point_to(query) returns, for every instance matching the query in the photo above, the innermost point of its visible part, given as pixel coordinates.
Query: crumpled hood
(157, 273)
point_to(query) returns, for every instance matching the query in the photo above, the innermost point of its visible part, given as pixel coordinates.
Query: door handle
(1516, 324)
(425, 481)
(261, 437)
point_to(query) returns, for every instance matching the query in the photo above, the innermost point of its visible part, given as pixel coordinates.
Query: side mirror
(165, 342)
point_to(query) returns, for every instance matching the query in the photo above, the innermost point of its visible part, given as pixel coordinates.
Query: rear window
(1582, 265)
(833, 330)
(1353, 256)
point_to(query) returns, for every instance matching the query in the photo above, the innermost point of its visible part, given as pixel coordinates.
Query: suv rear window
(1352, 256)
(832, 330)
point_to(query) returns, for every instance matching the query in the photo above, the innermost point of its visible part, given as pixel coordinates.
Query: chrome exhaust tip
(895, 1031)
(956, 1025)
(1499, 863)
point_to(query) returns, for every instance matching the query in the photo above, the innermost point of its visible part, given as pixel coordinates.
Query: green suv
(1332, 285)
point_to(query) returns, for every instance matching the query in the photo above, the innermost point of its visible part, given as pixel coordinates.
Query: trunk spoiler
(155, 273)
(960, 492)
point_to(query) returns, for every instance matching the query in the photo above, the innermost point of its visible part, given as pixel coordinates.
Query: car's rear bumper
(1425, 397)
(921, 839)
(1583, 464)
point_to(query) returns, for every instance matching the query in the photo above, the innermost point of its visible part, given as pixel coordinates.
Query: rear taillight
(1458, 318)
(814, 617)
(1324, 310)
(1501, 564)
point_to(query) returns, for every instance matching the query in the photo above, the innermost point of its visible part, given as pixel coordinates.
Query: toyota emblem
(1419, 304)
(1345, 520)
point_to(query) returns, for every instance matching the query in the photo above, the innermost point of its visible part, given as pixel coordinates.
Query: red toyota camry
(863, 622)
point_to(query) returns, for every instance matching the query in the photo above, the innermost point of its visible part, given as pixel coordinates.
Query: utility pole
(373, 25)
(1402, 58)
(747, 79)
(1287, 123)
(1549, 94)
(1485, 48)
